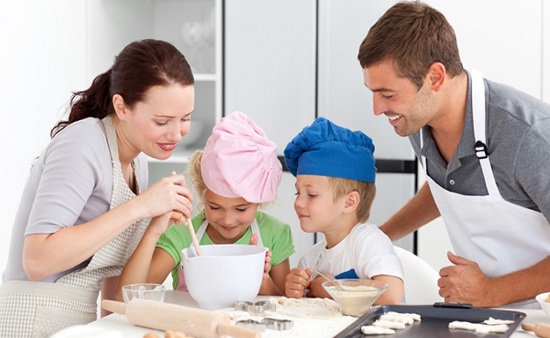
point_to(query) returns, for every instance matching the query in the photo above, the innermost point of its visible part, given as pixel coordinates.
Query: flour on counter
(312, 317)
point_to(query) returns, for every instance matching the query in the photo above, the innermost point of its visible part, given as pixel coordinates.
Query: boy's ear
(352, 201)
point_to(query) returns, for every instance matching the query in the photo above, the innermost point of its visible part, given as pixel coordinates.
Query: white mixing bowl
(223, 274)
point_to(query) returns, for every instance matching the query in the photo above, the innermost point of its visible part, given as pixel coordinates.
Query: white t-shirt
(366, 249)
(69, 184)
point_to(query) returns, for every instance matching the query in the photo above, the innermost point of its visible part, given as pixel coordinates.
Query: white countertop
(117, 322)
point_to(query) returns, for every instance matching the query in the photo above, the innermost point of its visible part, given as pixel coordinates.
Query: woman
(85, 206)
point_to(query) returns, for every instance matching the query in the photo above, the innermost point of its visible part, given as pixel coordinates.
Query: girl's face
(156, 124)
(228, 218)
(315, 205)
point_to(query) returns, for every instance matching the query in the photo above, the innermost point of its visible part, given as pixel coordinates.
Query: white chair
(420, 279)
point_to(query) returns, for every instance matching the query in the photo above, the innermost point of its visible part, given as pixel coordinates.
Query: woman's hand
(168, 194)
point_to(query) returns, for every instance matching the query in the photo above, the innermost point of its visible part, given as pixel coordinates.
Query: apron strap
(254, 226)
(479, 118)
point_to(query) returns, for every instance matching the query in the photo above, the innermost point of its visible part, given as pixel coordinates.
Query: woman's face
(228, 218)
(156, 124)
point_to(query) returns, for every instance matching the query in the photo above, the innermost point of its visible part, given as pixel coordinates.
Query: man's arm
(420, 210)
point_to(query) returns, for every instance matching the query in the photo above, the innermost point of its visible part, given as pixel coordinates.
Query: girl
(237, 172)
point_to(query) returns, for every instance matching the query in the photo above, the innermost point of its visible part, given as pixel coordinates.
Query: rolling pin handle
(114, 306)
(237, 331)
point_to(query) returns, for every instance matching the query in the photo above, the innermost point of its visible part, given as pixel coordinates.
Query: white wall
(42, 59)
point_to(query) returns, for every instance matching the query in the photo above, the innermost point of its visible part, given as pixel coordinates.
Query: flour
(312, 317)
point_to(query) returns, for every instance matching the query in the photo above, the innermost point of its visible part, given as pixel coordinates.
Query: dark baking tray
(435, 321)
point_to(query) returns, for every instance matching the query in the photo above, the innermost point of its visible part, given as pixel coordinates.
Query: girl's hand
(168, 194)
(160, 224)
(267, 267)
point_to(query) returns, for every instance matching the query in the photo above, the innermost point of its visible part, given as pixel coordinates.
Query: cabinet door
(269, 74)
(269, 64)
(343, 97)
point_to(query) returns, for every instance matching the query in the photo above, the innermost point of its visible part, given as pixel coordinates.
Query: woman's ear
(119, 106)
(352, 201)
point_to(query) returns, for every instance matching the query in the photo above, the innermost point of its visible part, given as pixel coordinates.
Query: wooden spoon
(191, 231)
(540, 329)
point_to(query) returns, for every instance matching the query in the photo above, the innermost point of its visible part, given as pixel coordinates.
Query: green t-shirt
(276, 236)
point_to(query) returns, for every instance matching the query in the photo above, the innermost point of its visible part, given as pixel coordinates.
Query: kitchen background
(282, 62)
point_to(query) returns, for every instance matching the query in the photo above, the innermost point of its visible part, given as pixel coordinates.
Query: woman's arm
(47, 254)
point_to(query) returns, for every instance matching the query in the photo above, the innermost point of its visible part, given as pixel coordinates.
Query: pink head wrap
(239, 161)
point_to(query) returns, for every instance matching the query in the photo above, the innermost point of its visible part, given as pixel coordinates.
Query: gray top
(518, 142)
(69, 184)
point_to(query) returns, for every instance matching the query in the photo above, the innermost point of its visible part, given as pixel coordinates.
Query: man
(485, 148)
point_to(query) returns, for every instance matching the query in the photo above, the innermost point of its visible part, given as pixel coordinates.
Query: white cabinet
(270, 76)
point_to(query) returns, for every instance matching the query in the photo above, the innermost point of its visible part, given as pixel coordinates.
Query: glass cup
(148, 291)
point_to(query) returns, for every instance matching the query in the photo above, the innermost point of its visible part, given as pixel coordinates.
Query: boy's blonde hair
(366, 190)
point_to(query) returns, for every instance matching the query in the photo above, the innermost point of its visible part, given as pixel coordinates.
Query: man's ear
(436, 76)
(119, 106)
(352, 202)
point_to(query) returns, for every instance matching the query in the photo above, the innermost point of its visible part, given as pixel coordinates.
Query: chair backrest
(420, 279)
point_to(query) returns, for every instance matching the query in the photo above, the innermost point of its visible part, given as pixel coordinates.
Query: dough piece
(478, 328)
(389, 324)
(483, 328)
(462, 325)
(415, 316)
(493, 321)
(375, 330)
(405, 318)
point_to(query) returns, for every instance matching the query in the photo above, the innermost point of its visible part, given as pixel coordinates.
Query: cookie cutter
(267, 323)
(256, 308)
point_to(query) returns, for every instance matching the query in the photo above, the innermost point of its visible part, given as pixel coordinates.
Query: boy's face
(229, 218)
(315, 205)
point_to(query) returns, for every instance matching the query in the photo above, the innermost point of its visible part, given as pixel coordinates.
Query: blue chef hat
(326, 149)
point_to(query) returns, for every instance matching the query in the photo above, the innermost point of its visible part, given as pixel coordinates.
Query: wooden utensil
(192, 321)
(540, 329)
(191, 230)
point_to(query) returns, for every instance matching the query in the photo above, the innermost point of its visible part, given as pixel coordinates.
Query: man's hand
(464, 282)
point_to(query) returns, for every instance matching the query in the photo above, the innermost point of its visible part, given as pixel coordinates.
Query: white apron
(182, 286)
(39, 309)
(501, 237)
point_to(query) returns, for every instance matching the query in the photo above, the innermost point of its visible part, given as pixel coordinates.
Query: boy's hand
(316, 288)
(297, 282)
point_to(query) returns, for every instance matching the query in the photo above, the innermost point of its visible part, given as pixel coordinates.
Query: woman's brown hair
(139, 66)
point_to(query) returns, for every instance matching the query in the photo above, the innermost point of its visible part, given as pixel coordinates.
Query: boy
(335, 174)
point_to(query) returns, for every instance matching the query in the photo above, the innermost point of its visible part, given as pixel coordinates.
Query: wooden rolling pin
(192, 321)
(540, 329)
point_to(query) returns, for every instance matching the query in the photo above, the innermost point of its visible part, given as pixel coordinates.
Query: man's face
(407, 108)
